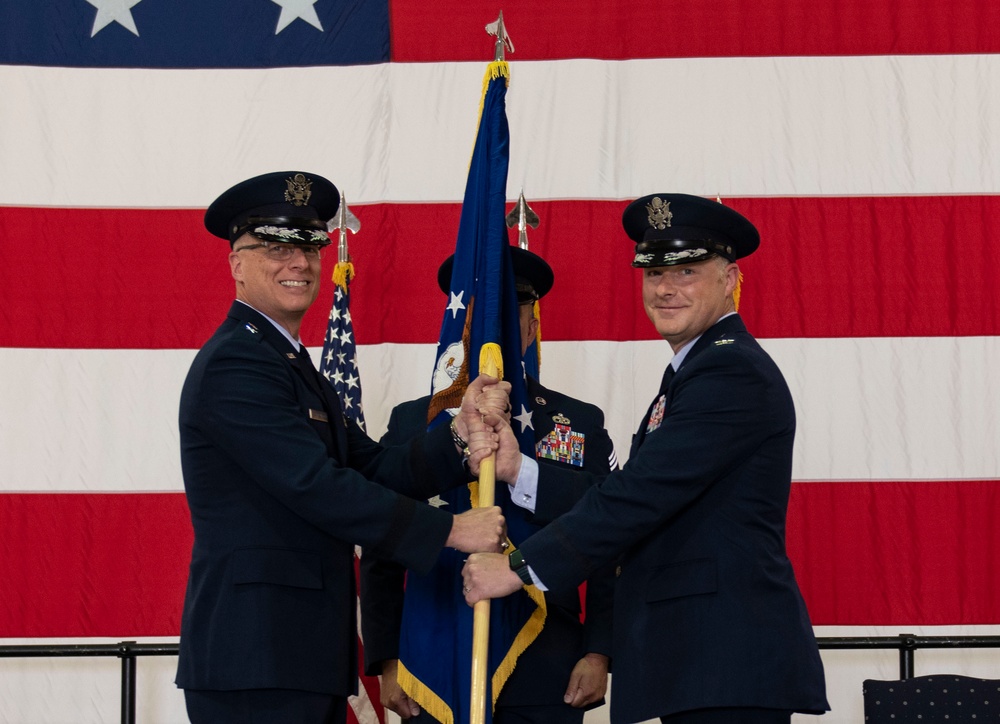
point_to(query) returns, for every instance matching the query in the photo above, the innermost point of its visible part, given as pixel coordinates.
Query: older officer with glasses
(281, 489)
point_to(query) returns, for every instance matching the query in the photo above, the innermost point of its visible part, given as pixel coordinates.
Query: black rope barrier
(129, 651)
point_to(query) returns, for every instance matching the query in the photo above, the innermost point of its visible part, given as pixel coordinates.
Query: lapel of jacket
(728, 326)
(304, 368)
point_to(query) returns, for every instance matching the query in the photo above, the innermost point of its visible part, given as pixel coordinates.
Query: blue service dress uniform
(543, 670)
(707, 611)
(280, 490)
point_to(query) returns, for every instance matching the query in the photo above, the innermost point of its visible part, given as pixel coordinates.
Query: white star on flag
(294, 10)
(114, 11)
(456, 303)
(525, 419)
(339, 351)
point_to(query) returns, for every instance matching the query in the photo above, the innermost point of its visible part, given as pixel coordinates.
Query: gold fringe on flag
(496, 69)
(343, 273)
(736, 292)
(421, 693)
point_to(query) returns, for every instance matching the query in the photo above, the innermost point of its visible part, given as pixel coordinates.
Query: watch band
(456, 438)
(520, 567)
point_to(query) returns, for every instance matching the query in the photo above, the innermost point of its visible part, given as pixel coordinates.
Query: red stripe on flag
(897, 553)
(93, 564)
(694, 28)
(865, 553)
(827, 267)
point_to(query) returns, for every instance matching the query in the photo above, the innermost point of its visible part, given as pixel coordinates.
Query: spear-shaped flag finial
(523, 216)
(342, 222)
(498, 29)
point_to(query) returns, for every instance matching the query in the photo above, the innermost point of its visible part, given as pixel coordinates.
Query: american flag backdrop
(862, 137)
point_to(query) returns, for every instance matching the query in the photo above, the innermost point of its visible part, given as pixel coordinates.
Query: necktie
(304, 363)
(668, 374)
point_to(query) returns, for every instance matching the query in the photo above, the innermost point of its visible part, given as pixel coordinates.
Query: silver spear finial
(343, 221)
(523, 216)
(498, 29)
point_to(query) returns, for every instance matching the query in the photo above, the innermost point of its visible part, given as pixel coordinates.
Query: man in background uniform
(565, 670)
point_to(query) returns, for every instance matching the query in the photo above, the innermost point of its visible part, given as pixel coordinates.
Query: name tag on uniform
(318, 415)
(656, 416)
(562, 444)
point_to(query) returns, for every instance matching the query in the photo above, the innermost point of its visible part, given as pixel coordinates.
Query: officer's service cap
(533, 276)
(289, 206)
(673, 229)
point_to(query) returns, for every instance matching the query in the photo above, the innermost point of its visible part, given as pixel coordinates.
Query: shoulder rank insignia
(724, 341)
(563, 444)
(249, 326)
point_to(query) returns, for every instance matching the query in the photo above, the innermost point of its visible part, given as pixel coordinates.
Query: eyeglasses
(283, 251)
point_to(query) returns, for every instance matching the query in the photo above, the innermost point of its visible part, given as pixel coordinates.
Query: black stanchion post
(907, 647)
(128, 681)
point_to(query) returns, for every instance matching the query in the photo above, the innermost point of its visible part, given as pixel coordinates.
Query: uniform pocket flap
(687, 578)
(301, 569)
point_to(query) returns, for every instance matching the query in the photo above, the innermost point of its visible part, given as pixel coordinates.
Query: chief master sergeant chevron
(281, 488)
(710, 626)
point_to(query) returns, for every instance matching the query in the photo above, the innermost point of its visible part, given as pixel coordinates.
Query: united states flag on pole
(339, 363)
(860, 136)
(339, 366)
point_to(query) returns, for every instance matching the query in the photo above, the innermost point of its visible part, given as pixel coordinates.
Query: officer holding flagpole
(710, 627)
(281, 488)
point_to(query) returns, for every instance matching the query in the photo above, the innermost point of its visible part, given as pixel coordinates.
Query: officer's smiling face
(684, 300)
(283, 290)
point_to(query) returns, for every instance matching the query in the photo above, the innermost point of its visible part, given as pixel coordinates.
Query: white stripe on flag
(885, 125)
(868, 409)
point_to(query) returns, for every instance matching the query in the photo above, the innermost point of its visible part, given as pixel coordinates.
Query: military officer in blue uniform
(710, 626)
(281, 488)
(564, 671)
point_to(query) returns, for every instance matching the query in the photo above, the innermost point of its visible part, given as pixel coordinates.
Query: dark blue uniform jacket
(707, 610)
(280, 490)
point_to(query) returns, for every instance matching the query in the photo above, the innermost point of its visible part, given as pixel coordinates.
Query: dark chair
(946, 698)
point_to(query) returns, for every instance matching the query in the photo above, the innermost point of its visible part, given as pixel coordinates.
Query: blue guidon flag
(480, 322)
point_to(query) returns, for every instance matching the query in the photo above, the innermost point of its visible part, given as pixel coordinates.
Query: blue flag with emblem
(480, 322)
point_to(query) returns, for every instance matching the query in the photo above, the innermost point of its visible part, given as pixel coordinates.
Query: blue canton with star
(194, 34)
